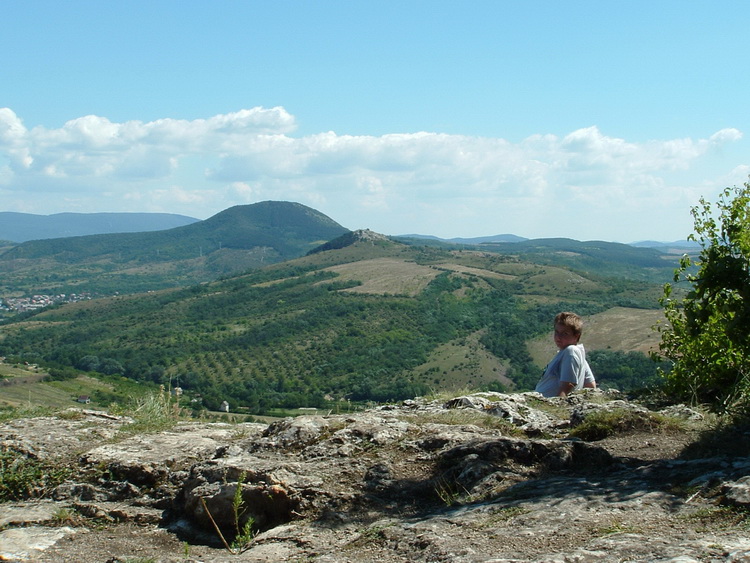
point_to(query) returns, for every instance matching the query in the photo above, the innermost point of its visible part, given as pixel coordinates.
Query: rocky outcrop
(485, 477)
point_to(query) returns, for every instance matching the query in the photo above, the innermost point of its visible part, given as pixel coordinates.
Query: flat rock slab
(25, 544)
(184, 443)
(73, 434)
(27, 513)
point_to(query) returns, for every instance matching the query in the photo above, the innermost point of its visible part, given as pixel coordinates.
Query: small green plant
(372, 535)
(14, 413)
(244, 533)
(722, 517)
(67, 517)
(504, 514)
(556, 409)
(616, 527)
(449, 492)
(23, 477)
(70, 414)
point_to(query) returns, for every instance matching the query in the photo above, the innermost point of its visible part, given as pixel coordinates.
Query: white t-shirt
(570, 365)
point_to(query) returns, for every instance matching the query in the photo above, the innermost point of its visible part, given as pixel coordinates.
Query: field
(25, 386)
(384, 276)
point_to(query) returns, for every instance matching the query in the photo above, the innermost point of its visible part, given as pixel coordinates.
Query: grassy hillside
(27, 386)
(375, 320)
(590, 258)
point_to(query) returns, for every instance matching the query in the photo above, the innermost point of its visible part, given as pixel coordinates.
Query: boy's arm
(565, 388)
(589, 382)
(570, 365)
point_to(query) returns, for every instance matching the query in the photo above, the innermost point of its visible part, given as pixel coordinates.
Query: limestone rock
(483, 477)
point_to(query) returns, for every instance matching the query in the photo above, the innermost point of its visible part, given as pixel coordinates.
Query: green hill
(370, 320)
(237, 239)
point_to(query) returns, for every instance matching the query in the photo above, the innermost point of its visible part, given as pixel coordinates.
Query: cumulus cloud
(199, 167)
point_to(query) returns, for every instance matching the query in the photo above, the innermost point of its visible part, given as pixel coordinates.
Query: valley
(360, 318)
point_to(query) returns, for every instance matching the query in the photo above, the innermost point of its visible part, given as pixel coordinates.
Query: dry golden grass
(386, 276)
(624, 329)
(477, 271)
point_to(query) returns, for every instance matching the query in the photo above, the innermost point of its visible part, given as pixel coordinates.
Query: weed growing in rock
(70, 414)
(449, 492)
(67, 517)
(23, 477)
(722, 517)
(244, 533)
(13, 413)
(555, 408)
(616, 527)
(372, 535)
(505, 514)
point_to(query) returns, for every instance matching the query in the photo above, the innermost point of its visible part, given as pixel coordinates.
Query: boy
(568, 371)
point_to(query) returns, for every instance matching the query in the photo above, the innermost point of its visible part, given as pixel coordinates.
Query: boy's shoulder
(576, 350)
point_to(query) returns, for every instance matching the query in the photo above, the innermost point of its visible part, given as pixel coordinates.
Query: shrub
(706, 336)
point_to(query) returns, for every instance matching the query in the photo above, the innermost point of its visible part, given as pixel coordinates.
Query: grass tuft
(151, 413)
(602, 424)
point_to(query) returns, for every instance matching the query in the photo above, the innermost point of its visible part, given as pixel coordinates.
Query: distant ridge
(22, 227)
(475, 240)
(662, 245)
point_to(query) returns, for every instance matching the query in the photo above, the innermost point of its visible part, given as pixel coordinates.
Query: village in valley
(36, 302)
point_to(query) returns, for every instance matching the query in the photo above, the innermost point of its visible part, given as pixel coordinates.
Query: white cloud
(396, 182)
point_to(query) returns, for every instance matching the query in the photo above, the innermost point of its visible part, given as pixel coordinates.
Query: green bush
(706, 336)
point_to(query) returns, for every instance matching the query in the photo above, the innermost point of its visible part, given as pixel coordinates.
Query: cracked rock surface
(479, 478)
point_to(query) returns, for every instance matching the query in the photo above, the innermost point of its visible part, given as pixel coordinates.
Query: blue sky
(581, 119)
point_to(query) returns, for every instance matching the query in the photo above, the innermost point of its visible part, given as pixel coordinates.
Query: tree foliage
(706, 337)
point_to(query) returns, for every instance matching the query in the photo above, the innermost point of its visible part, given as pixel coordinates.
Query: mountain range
(247, 237)
(21, 227)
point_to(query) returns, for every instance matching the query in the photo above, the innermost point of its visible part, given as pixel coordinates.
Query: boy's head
(568, 329)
